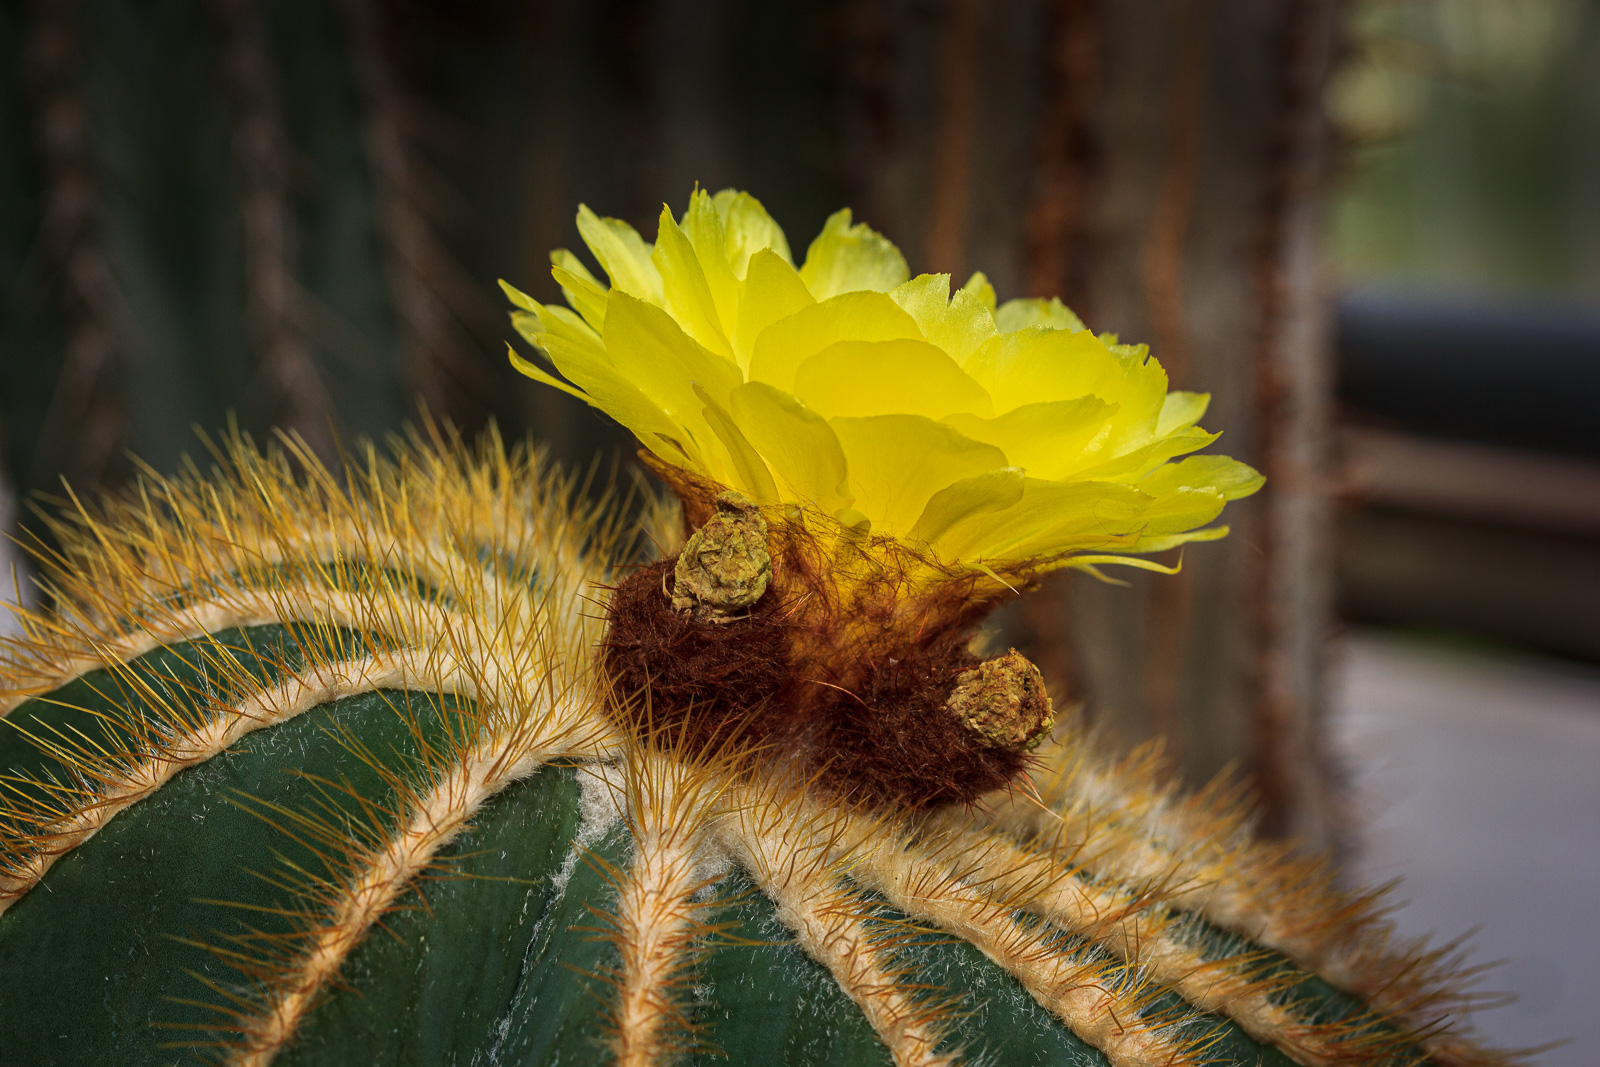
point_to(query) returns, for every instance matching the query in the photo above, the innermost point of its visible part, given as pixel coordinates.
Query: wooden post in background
(1202, 238)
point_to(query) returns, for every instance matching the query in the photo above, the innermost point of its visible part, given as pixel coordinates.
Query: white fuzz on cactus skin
(473, 578)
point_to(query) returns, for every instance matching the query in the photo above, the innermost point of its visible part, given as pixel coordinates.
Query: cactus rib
(121, 780)
(1104, 1001)
(657, 927)
(1124, 820)
(833, 925)
(436, 816)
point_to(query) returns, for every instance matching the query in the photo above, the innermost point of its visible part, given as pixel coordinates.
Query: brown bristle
(714, 679)
(891, 741)
(856, 696)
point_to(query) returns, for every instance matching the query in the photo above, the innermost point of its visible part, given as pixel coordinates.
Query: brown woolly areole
(845, 666)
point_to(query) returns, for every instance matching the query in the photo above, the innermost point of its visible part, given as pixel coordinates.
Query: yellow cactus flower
(1006, 437)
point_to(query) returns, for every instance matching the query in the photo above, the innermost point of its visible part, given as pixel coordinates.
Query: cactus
(317, 770)
(432, 759)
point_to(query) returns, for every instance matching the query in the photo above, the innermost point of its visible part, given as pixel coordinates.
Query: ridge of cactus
(311, 767)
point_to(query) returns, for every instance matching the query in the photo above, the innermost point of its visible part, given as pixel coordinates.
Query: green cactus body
(310, 771)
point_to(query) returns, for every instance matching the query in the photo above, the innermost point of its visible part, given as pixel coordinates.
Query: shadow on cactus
(432, 761)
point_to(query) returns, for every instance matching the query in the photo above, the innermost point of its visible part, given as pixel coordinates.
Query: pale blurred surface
(1476, 777)
(11, 576)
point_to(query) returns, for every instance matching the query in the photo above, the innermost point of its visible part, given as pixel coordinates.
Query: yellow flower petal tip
(987, 438)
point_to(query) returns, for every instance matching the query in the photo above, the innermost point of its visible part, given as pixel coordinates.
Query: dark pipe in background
(1470, 467)
(1523, 376)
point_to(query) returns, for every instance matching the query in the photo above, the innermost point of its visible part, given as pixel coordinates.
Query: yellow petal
(622, 254)
(981, 291)
(612, 396)
(863, 316)
(925, 298)
(898, 462)
(970, 320)
(685, 292)
(588, 367)
(560, 321)
(1020, 314)
(703, 225)
(880, 377)
(749, 229)
(527, 325)
(566, 260)
(539, 374)
(771, 290)
(586, 295)
(1052, 517)
(1091, 565)
(799, 446)
(753, 476)
(1181, 410)
(1227, 476)
(1038, 364)
(1171, 541)
(845, 258)
(957, 325)
(1135, 464)
(1178, 512)
(648, 349)
(1046, 439)
(980, 494)
(518, 297)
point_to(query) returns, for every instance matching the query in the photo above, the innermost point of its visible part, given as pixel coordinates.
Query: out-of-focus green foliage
(1474, 144)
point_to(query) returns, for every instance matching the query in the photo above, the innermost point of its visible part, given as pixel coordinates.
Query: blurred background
(1370, 227)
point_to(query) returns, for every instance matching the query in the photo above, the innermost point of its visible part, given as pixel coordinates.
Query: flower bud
(1002, 702)
(725, 567)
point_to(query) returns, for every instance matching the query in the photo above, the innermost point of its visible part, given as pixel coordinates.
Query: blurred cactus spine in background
(219, 209)
(83, 421)
(278, 309)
